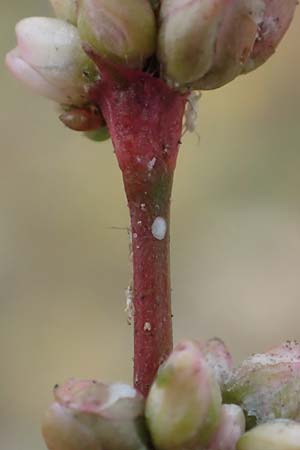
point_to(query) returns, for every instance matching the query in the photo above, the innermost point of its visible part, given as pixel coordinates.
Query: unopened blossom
(89, 415)
(204, 44)
(231, 428)
(277, 18)
(218, 358)
(99, 135)
(274, 435)
(267, 385)
(83, 119)
(66, 9)
(184, 403)
(49, 59)
(122, 31)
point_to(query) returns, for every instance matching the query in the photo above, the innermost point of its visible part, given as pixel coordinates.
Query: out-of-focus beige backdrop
(64, 267)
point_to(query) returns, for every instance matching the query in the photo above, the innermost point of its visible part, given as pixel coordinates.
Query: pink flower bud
(95, 416)
(277, 18)
(50, 52)
(66, 9)
(124, 32)
(267, 385)
(274, 435)
(218, 358)
(33, 80)
(184, 403)
(204, 44)
(231, 428)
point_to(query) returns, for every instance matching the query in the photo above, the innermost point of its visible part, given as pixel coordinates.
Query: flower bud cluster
(183, 409)
(196, 402)
(199, 44)
(50, 60)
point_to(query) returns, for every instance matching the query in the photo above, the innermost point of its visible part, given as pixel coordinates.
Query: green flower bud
(89, 415)
(275, 435)
(99, 135)
(66, 10)
(204, 44)
(184, 403)
(267, 385)
(186, 38)
(124, 32)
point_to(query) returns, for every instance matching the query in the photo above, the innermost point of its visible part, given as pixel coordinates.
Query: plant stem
(150, 224)
(144, 118)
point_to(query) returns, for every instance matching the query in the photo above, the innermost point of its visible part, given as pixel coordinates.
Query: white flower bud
(34, 81)
(53, 48)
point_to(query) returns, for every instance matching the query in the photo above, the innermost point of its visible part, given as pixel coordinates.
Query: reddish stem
(151, 279)
(144, 118)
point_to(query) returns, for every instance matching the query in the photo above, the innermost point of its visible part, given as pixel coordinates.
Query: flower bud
(34, 81)
(218, 358)
(186, 38)
(66, 9)
(124, 32)
(50, 50)
(83, 119)
(231, 428)
(99, 135)
(184, 403)
(275, 435)
(267, 385)
(95, 416)
(205, 44)
(277, 18)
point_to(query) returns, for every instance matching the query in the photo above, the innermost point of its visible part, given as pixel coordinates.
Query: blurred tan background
(64, 268)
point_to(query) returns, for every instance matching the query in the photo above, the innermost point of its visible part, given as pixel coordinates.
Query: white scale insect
(129, 304)
(191, 112)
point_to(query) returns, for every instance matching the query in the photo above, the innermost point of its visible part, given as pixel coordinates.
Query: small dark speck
(56, 386)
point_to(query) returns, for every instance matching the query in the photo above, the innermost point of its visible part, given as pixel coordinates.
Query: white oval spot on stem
(159, 228)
